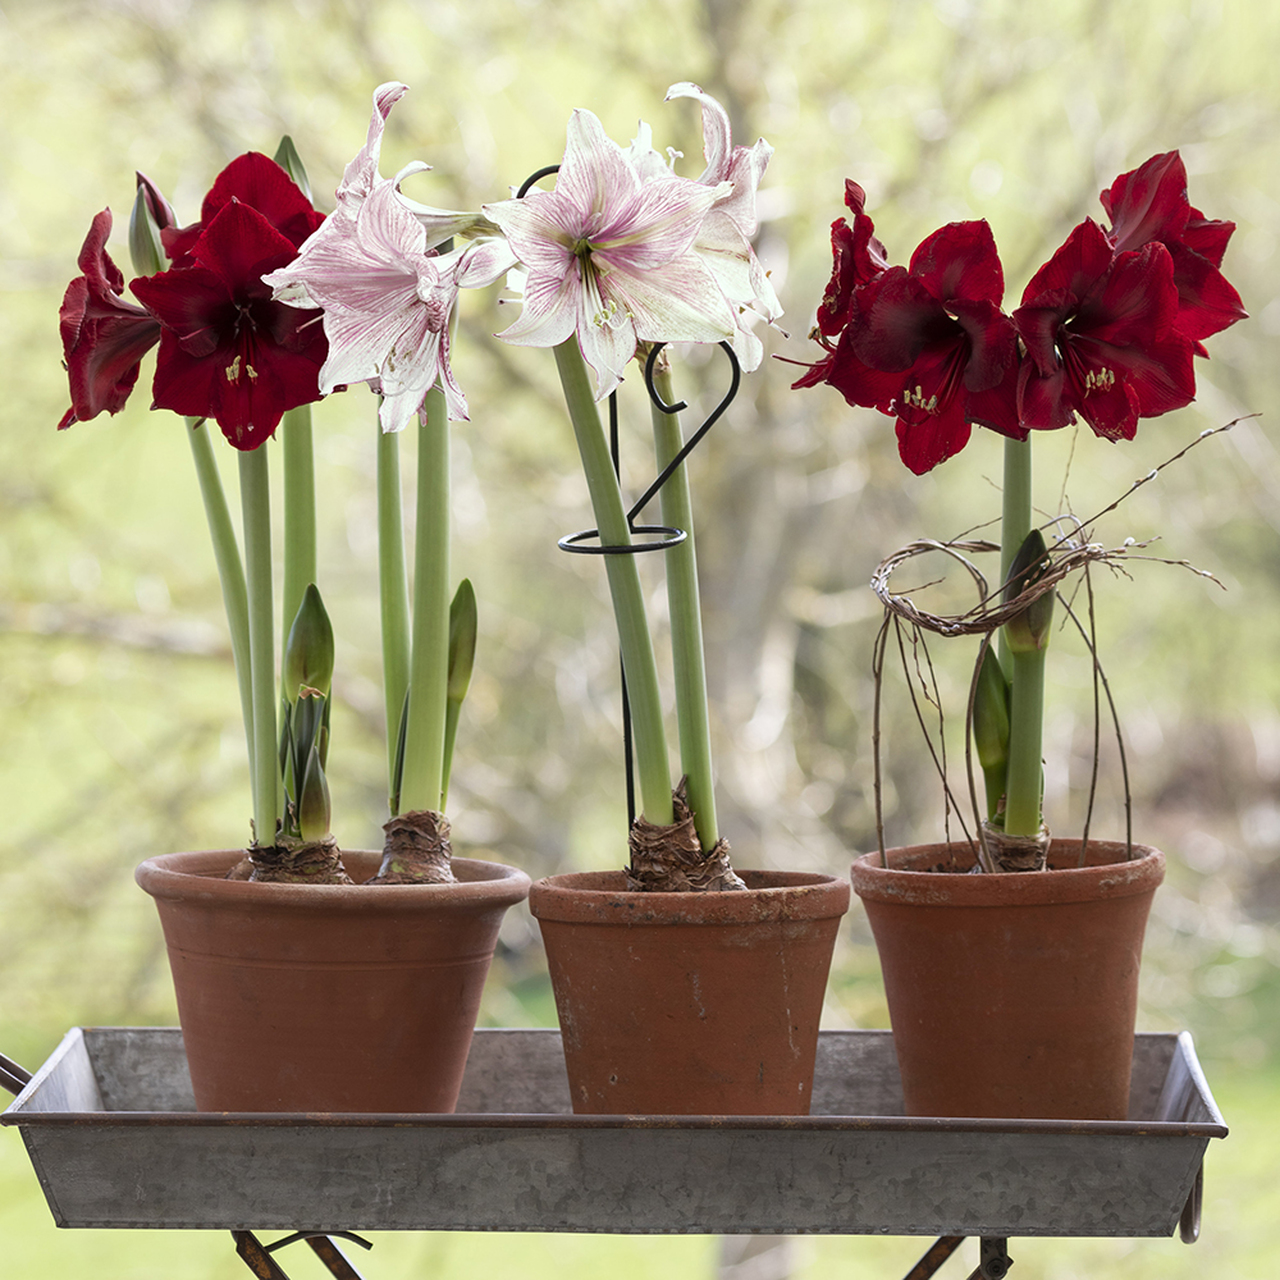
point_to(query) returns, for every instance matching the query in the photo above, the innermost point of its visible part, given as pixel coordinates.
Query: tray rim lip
(16, 1115)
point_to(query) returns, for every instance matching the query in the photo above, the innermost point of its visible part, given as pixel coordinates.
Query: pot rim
(199, 874)
(598, 897)
(1114, 877)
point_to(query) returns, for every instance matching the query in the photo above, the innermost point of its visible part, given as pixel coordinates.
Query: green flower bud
(991, 713)
(150, 215)
(290, 161)
(314, 813)
(308, 655)
(1029, 631)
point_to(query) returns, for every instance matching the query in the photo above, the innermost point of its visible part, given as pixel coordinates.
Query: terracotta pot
(690, 1003)
(327, 997)
(1012, 995)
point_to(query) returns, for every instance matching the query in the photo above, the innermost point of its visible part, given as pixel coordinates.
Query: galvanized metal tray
(111, 1129)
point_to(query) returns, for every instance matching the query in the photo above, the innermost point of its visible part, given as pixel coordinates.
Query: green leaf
(463, 628)
(290, 161)
(462, 640)
(397, 773)
(991, 712)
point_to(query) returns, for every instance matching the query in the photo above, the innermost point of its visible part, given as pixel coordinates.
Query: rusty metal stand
(994, 1261)
(257, 1256)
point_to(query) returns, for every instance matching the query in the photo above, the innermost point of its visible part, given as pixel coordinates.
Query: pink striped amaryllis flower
(385, 292)
(611, 256)
(724, 240)
(227, 351)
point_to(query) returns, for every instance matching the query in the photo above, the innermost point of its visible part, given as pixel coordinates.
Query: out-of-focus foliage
(119, 733)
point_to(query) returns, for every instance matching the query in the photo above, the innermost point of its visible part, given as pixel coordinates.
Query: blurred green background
(119, 721)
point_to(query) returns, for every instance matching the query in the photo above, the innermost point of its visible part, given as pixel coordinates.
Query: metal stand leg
(938, 1253)
(994, 1261)
(257, 1256)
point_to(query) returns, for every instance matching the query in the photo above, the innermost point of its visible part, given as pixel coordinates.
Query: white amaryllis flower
(725, 239)
(385, 294)
(609, 256)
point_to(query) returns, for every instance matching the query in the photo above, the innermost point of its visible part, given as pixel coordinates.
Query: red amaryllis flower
(103, 337)
(1150, 204)
(263, 185)
(929, 344)
(227, 350)
(1101, 338)
(857, 258)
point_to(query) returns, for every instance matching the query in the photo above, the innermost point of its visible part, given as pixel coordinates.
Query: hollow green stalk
(1025, 668)
(422, 785)
(393, 594)
(1024, 781)
(299, 512)
(226, 554)
(634, 640)
(686, 619)
(255, 502)
(1015, 521)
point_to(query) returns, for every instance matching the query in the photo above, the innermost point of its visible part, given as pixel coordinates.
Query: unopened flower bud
(308, 655)
(290, 161)
(151, 214)
(1029, 631)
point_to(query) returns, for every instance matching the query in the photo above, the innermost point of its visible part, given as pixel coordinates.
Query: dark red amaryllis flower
(227, 350)
(262, 184)
(858, 257)
(1101, 339)
(1149, 204)
(103, 337)
(929, 344)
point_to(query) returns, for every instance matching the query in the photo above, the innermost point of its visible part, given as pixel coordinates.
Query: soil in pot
(1012, 995)
(327, 998)
(690, 1003)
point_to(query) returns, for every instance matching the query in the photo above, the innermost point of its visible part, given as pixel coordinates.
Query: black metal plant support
(653, 537)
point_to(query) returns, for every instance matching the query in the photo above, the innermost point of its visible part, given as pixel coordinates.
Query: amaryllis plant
(621, 256)
(260, 308)
(1107, 331)
(386, 276)
(228, 352)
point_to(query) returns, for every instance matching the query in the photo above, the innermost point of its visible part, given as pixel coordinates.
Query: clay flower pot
(327, 998)
(690, 1003)
(1012, 995)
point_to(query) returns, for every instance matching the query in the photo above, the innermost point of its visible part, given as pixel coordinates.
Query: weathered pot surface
(1012, 995)
(690, 1003)
(327, 998)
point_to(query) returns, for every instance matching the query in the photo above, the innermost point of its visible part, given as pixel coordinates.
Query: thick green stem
(1025, 670)
(226, 554)
(1024, 782)
(423, 782)
(634, 640)
(255, 503)
(393, 593)
(686, 620)
(299, 513)
(1015, 522)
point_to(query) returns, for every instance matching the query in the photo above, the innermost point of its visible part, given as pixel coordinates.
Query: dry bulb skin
(310, 862)
(1016, 853)
(669, 858)
(417, 850)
